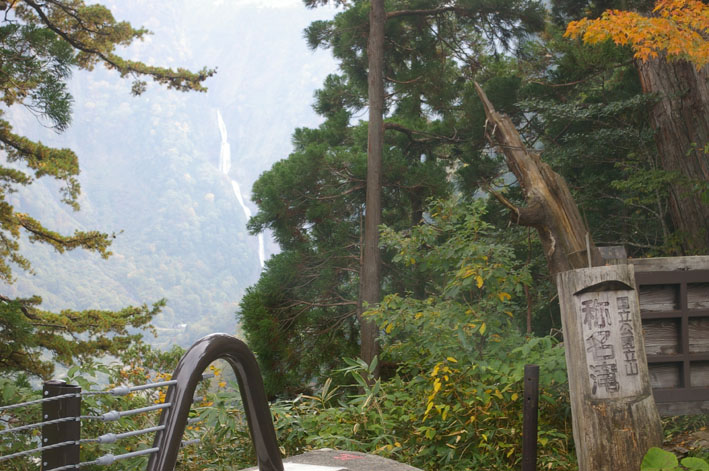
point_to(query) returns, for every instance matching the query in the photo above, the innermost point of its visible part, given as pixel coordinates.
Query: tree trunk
(681, 124)
(370, 273)
(551, 208)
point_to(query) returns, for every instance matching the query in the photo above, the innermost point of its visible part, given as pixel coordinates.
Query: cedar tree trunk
(370, 273)
(681, 124)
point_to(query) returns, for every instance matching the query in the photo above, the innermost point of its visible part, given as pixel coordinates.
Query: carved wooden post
(615, 420)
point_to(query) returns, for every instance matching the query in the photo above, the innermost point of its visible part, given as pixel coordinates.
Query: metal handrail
(189, 370)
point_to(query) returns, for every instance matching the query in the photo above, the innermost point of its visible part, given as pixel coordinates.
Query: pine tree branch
(404, 82)
(181, 79)
(411, 132)
(424, 12)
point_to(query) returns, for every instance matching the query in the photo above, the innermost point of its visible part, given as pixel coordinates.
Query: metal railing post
(64, 431)
(531, 413)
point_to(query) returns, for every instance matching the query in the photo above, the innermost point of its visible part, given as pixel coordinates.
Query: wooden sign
(615, 420)
(610, 339)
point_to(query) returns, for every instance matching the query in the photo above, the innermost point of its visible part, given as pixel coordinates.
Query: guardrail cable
(107, 417)
(113, 437)
(125, 390)
(36, 450)
(38, 401)
(115, 415)
(38, 424)
(117, 391)
(109, 458)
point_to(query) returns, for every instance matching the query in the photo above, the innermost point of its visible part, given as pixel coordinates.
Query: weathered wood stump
(615, 420)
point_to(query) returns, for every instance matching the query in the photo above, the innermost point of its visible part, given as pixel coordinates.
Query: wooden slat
(698, 335)
(699, 374)
(660, 315)
(678, 358)
(658, 298)
(698, 295)
(661, 337)
(674, 408)
(664, 375)
(671, 264)
(672, 395)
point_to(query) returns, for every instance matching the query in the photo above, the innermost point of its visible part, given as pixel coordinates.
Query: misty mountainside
(151, 171)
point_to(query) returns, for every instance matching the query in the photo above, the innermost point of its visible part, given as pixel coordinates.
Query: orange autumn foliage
(677, 28)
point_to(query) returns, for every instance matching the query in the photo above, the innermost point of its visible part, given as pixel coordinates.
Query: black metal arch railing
(186, 376)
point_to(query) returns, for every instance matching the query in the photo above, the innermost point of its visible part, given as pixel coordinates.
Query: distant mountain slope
(150, 165)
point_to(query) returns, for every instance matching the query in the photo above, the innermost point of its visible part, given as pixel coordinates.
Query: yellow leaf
(452, 360)
(388, 328)
(479, 281)
(503, 296)
(482, 329)
(498, 394)
(514, 397)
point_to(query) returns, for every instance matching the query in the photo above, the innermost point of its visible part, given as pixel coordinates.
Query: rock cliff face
(151, 165)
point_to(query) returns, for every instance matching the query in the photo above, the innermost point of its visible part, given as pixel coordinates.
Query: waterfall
(225, 167)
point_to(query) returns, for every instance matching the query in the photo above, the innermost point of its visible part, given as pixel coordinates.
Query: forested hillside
(150, 166)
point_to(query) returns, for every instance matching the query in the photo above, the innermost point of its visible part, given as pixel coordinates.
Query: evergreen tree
(301, 317)
(671, 53)
(429, 56)
(500, 24)
(41, 42)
